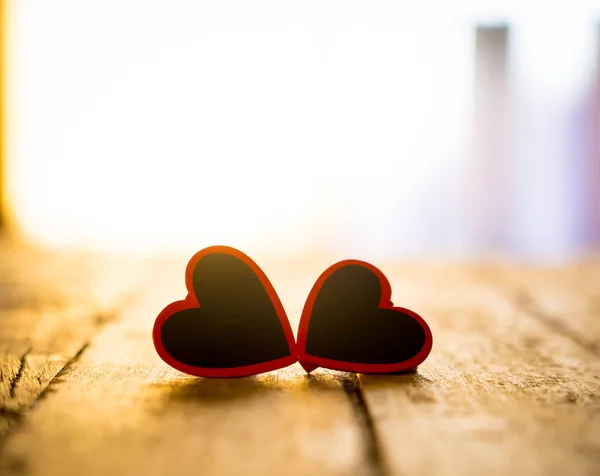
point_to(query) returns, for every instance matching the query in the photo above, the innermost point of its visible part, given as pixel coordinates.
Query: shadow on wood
(217, 391)
(330, 381)
(405, 379)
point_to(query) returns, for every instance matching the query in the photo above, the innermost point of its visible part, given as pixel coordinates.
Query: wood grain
(50, 306)
(501, 393)
(566, 298)
(120, 410)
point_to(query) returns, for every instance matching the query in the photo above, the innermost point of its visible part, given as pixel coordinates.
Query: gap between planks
(16, 379)
(39, 316)
(373, 451)
(566, 298)
(552, 321)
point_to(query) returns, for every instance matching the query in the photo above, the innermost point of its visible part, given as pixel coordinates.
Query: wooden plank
(565, 298)
(120, 410)
(50, 306)
(501, 393)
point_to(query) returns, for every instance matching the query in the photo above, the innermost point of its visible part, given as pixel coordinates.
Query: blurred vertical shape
(490, 187)
(552, 62)
(593, 188)
(2, 109)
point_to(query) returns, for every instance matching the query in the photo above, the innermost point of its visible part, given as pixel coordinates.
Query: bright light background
(288, 126)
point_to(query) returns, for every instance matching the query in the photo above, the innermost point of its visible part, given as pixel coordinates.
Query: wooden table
(512, 386)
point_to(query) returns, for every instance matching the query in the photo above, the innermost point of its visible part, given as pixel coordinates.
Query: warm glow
(150, 125)
(161, 124)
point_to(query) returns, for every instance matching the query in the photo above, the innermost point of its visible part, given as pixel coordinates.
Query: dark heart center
(347, 324)
(236, 324)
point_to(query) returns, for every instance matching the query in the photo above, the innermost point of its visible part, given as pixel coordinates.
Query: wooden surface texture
(512, 386)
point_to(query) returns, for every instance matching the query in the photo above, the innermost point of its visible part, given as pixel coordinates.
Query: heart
(349, 323)
(231, 324)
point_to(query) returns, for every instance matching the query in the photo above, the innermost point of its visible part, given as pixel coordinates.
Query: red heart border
(310, 362)
(191, 301)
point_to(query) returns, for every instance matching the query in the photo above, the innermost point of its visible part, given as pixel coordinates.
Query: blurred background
(374, 130)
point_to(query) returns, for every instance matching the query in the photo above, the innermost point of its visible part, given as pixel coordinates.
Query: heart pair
(232, 323)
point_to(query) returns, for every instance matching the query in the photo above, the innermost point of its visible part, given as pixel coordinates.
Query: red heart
(349, 323)
(231, 324)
